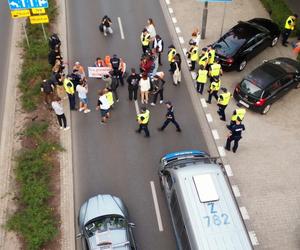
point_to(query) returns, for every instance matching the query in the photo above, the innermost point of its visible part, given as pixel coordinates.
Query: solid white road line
(215, 134)
(177, 30)
(209, 117)
(228, 170)
(244, 213)
(253, 238)
(156, 206)
(137, 109)
(221, 151)
(171, 10)
(174, 20)
(203, 102)
(121, 28)
(236, 191)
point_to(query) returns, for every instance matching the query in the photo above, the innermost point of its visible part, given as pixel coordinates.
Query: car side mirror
(132, 225)
(78, 236)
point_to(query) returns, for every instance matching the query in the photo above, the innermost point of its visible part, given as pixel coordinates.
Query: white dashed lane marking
(156, 206)
(174, 20)
(221, 151)
(184, 51)
(253, 238)
(236, 191)
(167, 2)
(177, 30)
(203, 102)
(171, 10)
(209, 118)
(181, 40)
(215, 134)
(244, 213)
(228, 170)
(136, 105)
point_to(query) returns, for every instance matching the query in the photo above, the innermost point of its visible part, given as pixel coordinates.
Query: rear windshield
(249, 88)
(229, 44)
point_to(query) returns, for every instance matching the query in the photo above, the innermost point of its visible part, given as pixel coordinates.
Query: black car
(267, 83)
(244, 41)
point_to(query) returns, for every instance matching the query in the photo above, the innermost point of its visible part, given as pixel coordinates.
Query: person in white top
(144, 88)
(158, 45)
(82, 90)
(59, 111)
(151, 29)
(81, 70)
(104, 106)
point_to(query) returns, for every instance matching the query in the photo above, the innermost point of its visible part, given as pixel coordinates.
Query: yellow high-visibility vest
(146, 116)
(211, 56)
(202, 76)
(203, 59)
(240, 112)
(215, 69)
(145, 39)
(215, 86)
(70, 90)
(225, 99)
(194, 53)
(171, 55)
(290, 23)
(110, 98)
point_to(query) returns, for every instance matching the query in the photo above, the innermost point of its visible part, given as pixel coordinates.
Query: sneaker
(137, 131)
(161, 101)
(228, 149)
(105, 34)
(117, 100)
(208, 102)
(178, 130)
(87, 111)
(61, 127)
(81, 109)
(160, 129)
(152, 104)
(66, 128)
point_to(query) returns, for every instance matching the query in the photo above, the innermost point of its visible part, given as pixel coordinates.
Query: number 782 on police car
(216, 218)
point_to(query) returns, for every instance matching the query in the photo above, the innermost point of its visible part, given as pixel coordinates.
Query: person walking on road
(170, 117)
(214, 89)
(193, 55)
(158, 88)
(215, 70)
(104, 106)
(115, 62)
(289, 26)
(151, 29)
(80, 71)
(201, 79)
(145, 40)
(176, 69)
(143, 120)
(203, 58)
(47, 88)
(59, 111)
(237, 113)
(82, 90)
(159, 46)
(211, 56)
(171, 55)
(144, 88)
(223, 101)
(70, 90)
(133, 84)
(235, 135)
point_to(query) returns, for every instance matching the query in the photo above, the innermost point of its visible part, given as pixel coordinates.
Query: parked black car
(245, 40)
(267, 83)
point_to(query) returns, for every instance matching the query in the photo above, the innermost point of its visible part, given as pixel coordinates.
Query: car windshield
(251, 89)
(106, 223)
(229, 44)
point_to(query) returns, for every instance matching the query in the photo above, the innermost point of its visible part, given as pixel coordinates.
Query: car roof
(101, 205)
(246, 30)
(287, 64)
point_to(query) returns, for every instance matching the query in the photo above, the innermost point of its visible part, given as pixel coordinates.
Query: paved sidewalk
(265, 173)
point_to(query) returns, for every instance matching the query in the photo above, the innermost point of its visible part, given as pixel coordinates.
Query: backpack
(54, 41)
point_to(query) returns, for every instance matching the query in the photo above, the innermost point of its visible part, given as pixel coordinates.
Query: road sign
(27, 4)
(19, 13)
(39, 19)
(38, 11)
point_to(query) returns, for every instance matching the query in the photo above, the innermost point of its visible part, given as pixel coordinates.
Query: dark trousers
(161, 95)
(145, 128)
(132, 93)
(118, 73)
(115, 94)
(167, 121)
(193, 65)
(159, 58)
(72, 101)
(62, 120)
(48, 98)
(221, 111)
(200, 87)
(235, 144)
(145, 48)
(285, 35)
(212, 94)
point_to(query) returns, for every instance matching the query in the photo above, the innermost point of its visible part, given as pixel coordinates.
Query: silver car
(103, 224)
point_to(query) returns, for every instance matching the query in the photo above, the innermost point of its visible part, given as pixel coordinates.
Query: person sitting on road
(106, 23)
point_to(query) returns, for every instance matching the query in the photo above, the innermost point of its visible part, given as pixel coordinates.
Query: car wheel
(266, 109)
(242, 65)
(274, 41)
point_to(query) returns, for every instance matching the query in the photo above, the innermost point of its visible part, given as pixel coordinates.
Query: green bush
(279, 12)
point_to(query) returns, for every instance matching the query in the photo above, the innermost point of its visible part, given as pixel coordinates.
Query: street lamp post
(204, 20)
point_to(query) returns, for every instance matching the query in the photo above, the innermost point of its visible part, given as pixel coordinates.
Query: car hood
(101, 205)
(117, 238)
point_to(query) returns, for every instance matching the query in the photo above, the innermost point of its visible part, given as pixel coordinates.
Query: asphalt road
(112, 158)
(5, 36)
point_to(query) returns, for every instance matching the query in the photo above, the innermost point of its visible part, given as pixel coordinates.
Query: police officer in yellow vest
(203, 58)
(211, 56)
(201, 79)
(215, 70)
(171, 55)
(70, 90)
(214, 88)
(289, 26)
(237, 113)
(143, 120)
(109, 97)
(193, 54)
(145, 40)
(223, 101)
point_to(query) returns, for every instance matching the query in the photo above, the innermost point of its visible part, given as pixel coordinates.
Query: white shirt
(158, 44)
(151, 30)
(82, 91)
(145, 84)
(105, 105)
(58, 109)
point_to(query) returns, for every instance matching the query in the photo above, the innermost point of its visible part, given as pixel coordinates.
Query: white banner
(98, 72)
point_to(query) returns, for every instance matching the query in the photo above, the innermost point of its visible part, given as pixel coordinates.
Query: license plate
(244, 104)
